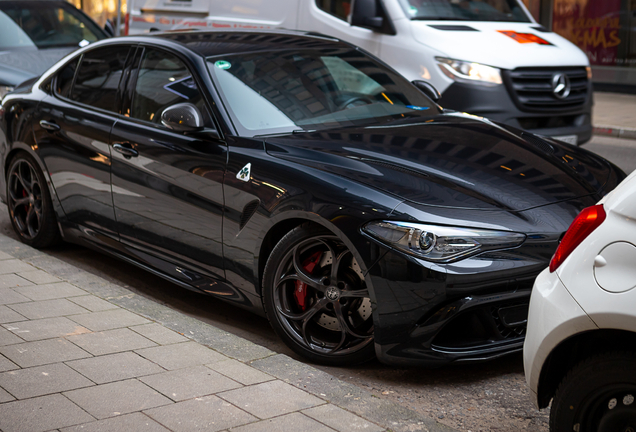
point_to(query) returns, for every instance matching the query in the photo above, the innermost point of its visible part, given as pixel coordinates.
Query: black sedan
(299, 177)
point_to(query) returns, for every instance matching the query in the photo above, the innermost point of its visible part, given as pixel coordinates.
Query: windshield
(465, 10)
(45, 26)
(274, 92)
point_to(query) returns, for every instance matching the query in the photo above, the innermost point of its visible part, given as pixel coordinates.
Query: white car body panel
(553, 317)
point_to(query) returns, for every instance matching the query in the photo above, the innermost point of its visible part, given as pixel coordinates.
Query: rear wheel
(597, 395)
(316, 298)
(29, 203)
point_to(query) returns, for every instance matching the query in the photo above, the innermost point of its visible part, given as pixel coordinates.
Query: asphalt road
(485, 397)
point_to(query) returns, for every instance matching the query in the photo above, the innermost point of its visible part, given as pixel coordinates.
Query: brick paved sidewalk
(78, 353)
(614, 114)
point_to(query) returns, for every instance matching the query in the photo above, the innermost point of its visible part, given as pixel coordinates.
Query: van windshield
(45, 25)
(294, 90)
(465, 10)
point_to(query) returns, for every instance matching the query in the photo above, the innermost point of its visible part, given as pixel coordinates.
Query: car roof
(212, 43)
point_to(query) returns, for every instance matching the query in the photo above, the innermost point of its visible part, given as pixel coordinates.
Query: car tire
(597, 395)
(29, 203)
(321, 312)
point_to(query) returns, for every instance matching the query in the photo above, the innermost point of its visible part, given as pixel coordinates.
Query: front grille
(531, 88)
(509, 331)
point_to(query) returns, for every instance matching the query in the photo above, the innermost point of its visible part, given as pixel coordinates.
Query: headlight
(4, 90)
(469, 72)
(440, 243)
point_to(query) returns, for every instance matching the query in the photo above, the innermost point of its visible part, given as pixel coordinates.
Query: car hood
(18, 66)
(488, 46)
(456, 161)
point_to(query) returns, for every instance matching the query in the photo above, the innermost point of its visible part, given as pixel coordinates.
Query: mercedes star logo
(561, 85)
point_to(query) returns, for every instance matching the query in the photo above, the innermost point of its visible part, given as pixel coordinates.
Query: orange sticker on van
(524, 37)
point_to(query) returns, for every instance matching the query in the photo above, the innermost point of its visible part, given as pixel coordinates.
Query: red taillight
(587, 221)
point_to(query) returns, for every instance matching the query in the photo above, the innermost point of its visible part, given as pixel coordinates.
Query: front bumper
(496, 104)
(553, 317)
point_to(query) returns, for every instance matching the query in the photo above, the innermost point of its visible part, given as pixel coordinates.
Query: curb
(391, 416)
(615, 131)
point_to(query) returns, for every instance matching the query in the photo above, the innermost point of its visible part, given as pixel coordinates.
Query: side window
(98, 77)
(163, 80)
(64, 79)
(338, 8)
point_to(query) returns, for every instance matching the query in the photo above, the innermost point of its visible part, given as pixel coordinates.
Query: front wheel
(597, 395)
(316, 298)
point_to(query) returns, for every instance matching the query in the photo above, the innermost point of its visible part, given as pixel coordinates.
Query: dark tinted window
(98, 77)
(163, 81)
(45, 25)
(65, 79)
(337, 8)
(465, 10)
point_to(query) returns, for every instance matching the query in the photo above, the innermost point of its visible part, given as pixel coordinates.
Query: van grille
(531, 88)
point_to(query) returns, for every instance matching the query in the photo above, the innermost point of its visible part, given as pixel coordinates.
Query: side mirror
(428, 89)
(182, 117)
(109, 28)
(365, 14)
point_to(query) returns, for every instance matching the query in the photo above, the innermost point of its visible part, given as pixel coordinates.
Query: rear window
(45, 25)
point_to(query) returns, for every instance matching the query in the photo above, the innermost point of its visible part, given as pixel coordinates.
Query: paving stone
(291, 422)
(206, 414)
(12, 280)
(42, 380)
(240, 372)
(41, 414)
(271, 399)
(135, 422)
(110, 319)
(5, 396)
(341, 420)
(6, 364)
(93, 303)
(111, 341)
(14, 266)
(181, 355)
(38, 353)
(48, 309)
(5, 256)
(113, 399)
(7, 315)
(49, 291)
(9, 296)
(46, 328)
(114, 367)
(188, 383)
(159, 334)
(8, 338)
(39, 277)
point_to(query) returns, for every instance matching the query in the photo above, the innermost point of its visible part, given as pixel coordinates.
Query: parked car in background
(36, 34)
(298, 177)
(488, 58)
(580, 351)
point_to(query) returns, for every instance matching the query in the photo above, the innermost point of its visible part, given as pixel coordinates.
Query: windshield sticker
(524, 38)
(222, 64)
(419, 108)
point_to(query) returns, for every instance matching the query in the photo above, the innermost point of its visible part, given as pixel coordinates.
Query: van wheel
(316, 298)
(597, 395)
(29, 202)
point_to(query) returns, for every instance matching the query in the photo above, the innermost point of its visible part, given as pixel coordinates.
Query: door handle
(49, 125)
(125, 149)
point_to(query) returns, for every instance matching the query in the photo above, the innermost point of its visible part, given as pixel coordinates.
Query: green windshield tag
(222, 64)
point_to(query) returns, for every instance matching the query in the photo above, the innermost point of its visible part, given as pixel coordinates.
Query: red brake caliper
(300, 293)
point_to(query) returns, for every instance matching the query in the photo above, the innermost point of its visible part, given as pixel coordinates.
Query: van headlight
(440, 243)
(4, 90)
(469, 72)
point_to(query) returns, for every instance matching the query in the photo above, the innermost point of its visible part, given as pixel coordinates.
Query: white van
(486, 57)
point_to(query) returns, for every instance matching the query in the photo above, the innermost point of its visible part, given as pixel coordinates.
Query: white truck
(486, 57)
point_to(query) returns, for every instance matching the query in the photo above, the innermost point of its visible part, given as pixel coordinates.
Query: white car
(580, 349)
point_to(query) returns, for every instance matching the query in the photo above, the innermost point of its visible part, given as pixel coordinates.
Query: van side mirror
(428, 89)
(365, 14)
(182, 117)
